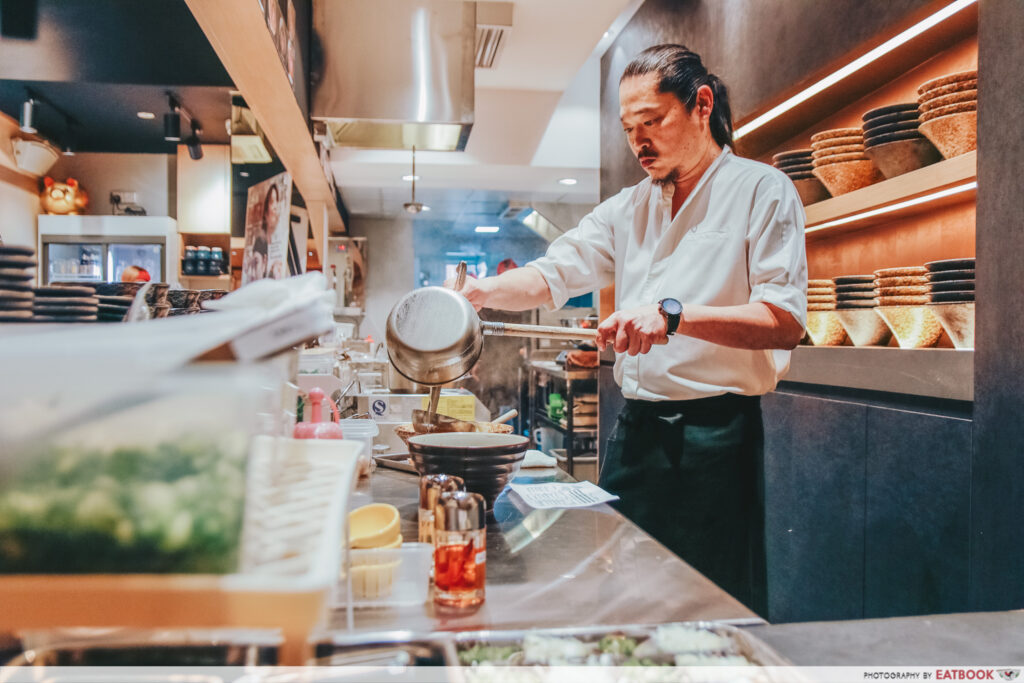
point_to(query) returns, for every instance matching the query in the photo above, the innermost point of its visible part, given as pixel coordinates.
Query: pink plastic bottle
(313, 428)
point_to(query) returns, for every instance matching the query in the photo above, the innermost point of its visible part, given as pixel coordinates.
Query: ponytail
(682, 73)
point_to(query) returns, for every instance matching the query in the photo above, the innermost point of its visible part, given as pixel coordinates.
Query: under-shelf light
(896, 207)
(854, 66)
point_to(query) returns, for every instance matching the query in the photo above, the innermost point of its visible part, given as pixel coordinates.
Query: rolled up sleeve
(777, 258)
(582, 260)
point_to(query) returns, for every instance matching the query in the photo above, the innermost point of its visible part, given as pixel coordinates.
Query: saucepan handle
(537, 331)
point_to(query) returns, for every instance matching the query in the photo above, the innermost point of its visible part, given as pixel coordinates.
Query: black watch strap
(673, 312)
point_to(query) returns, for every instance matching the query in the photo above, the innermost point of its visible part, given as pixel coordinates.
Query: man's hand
(633, 331)
(473, 289)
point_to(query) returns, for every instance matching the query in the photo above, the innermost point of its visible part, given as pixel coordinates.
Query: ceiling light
(487, 228)
(147, 115)
(27, 114)
(244, 174)
(172, 126)
(409, 178)
(854, 66)
(567, 181)
(896, 207)
(424, 207)
(195, 149)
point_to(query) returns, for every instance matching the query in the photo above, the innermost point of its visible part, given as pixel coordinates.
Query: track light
(195, 149)
(27, 114)
(172, 126)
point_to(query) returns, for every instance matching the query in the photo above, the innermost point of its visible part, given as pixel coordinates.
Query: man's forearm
(519, 289)
(748, 326)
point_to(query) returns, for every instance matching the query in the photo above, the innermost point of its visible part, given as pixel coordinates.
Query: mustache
(646, 152)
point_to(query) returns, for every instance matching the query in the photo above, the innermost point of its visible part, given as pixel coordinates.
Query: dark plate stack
(855, 291)
(951, 281)
(797, 164)
(113, 308)
(893, 141)
(17, 268)
(65, 304)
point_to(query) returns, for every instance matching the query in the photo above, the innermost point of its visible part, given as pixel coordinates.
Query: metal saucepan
(435, 336)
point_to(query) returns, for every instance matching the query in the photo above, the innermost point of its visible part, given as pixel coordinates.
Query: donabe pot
(486, 462)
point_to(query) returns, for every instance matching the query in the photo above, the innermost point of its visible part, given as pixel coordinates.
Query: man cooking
(707, 258)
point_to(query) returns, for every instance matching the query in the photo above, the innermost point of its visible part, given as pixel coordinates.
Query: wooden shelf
(206, 281)
(924, 181)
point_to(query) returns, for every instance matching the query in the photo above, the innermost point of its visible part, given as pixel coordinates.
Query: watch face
(671, 306)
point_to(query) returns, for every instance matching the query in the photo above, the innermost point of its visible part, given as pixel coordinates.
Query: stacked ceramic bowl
(839, 161)
(115, 299)
(17, 268)
(903, 295)
(893, 141)
(183, 301)
(952, 298)
(73, 303)
(823, 326)
(855, 307)
(949, 112)
(797, 164)
(485, 462)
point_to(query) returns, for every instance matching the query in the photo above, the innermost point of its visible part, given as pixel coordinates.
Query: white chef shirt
(738, 238)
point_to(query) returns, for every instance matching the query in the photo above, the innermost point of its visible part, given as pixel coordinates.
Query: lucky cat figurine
(63, 199)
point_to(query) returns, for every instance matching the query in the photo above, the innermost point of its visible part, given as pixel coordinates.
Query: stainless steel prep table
(548, 568)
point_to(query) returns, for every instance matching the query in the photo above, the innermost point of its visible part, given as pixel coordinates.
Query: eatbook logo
(1008, 674)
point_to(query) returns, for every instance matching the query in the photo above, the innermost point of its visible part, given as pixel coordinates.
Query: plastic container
(363, 431)
(388, 577)
(584, 464)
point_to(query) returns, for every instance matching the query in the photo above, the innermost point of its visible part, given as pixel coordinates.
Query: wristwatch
(673, 311)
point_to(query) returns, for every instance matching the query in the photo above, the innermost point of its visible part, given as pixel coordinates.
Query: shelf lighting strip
(854, 66)
(966, 187)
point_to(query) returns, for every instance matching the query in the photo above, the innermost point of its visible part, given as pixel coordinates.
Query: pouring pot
(434, 336)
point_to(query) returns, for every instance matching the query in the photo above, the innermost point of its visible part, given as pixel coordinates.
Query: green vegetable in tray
(176, 507)
(487, 654)
(617, 645)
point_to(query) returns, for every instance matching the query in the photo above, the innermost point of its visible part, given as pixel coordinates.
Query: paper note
(580, 494)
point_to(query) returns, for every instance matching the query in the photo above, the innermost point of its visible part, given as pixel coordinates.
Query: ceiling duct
(531, 218)
(395, 73)
(493, 23)
(247, 143)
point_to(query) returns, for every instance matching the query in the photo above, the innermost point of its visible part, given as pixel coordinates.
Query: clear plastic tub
(388, 577)
(363, 431)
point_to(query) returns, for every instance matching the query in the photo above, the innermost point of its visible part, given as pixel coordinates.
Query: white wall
(153, 176)
(19, 202)
(391, 268)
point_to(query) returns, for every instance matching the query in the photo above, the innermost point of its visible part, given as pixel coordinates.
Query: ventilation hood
(395, 74)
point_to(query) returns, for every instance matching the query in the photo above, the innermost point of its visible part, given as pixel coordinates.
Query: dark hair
(682, 74)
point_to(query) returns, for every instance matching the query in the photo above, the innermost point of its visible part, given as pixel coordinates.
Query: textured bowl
(958, 322)
(825, 329)
(846, 176)
(837, 142)
(897, 127)
(957, 77)
(953, 135)
(903, 156)
(183, 298)
(864, 326)
(915, 327)
(406, 430)
(928, 102)
(486, 462)
(957, 108)
(157, 294)
(837, 149)
(118, 288)
(833, 133)
(970, 84)
(783, 157)
(839, 158)
(811, 190)
(888, 110)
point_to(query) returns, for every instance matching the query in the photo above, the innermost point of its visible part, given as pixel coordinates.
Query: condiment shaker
(431, 488)
(460, 549)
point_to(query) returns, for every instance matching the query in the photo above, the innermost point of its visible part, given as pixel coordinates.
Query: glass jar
(188, 264)
(203, 260)
(216, 261)
(460, 549)
(431, 488)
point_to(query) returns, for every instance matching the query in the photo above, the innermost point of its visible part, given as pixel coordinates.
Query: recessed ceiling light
(146, 115)
(567, 181)
(410, 178)
(244, 174)
(425, 208)
(487, 228)
(607, 34)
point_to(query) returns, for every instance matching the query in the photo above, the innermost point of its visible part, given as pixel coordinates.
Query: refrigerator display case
(99, 248)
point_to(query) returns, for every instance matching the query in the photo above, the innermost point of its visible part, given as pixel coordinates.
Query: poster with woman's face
(266, 229)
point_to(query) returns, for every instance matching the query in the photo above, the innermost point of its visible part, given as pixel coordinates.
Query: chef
(707, 258)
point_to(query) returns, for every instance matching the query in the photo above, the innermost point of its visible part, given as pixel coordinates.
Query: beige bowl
(374, 526)
(837, 142)
(864, 326)
(958, 322)
(970, 84)
(838, 149)
(811, 190)
(846, 176)
(953, 135)
(915, 327)
(945, 100)
(834, 133)
(957, 77)
(838, 159)
(947, 110)
(903, 156)
(825, 329)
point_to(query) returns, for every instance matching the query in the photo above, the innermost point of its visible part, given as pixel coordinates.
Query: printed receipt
(562, 495)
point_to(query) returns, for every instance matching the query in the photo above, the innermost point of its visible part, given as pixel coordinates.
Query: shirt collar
(667, 191)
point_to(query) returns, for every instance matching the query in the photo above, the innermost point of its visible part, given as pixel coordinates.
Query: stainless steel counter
(548, 568)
